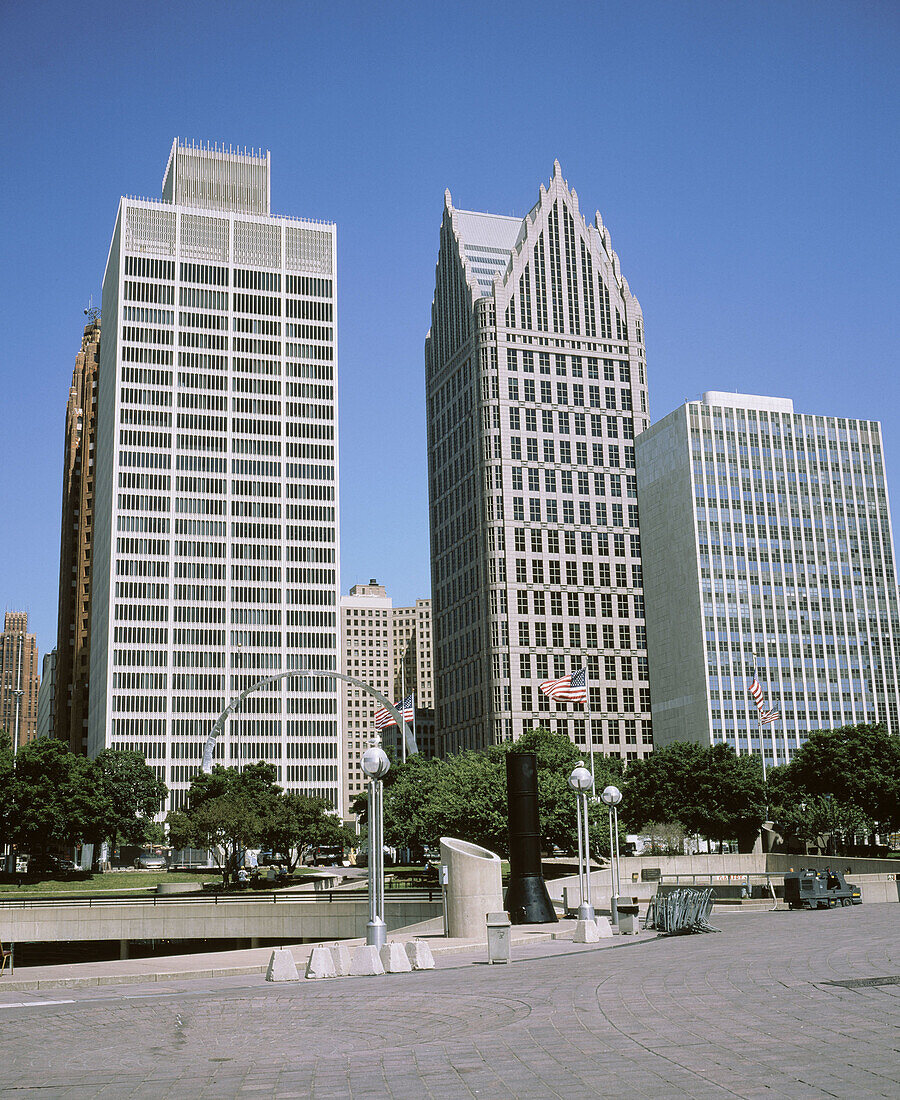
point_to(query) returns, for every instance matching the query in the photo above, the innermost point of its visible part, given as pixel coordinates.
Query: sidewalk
(254, 960)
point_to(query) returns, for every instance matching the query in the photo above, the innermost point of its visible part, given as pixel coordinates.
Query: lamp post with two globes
(611, 797)
(376, 765)
(581, 782)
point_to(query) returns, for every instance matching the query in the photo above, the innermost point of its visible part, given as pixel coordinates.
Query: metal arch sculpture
(235, 703)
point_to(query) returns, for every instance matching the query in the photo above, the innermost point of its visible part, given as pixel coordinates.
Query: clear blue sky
(743, 155)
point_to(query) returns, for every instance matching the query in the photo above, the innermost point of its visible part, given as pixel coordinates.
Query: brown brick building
(19, 679)
(73, 642)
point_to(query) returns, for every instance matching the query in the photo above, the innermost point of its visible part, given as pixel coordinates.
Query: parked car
(49, 865)
(331, 855)
(149, 861)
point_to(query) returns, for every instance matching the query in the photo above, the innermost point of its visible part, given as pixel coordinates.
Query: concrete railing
(177, 918)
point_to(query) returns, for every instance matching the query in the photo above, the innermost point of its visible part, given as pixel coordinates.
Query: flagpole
(402, 700)
(590, 727)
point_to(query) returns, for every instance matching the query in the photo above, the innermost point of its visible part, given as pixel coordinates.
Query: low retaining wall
(878, 888)
(779, 862)
(200, 920)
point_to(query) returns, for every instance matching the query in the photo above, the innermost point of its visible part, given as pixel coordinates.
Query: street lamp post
(376, 765)
(581, 782)
(612, 796)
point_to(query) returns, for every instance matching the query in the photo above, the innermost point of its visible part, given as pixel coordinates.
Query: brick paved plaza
(752, 1012)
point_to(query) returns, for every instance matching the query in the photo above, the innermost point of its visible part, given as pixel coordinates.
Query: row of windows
(581, 366)
(568, 483)
(594, 637)
(554, 512)
(567, 424)
(610, 399)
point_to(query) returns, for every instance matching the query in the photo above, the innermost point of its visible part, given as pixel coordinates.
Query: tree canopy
(465, 795)
(298, 822)
(708, 790)
(7, 787)
(841, 783)
(133, 795)
(58, 798)
(228, 811)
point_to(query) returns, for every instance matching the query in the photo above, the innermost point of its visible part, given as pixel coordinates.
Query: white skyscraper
(216, 511)
(536, 387)
(766, 532)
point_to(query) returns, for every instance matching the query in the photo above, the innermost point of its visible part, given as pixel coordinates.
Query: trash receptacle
(498, 937)
(571, 900)
(628, 916)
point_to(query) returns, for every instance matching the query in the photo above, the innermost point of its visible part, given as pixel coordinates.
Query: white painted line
(35, 1004)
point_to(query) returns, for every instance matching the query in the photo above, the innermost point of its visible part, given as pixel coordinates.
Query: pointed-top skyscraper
(536, 387)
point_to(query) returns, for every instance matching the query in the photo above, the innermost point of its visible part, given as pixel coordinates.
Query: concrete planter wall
(474, 886)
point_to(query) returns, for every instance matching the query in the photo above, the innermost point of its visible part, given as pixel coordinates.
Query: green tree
(856, 765)
(841, 784)
(298, 822)
(134, 795)
(227, 811)
(465, 796)
(708, 791)
(411, 801)
(7, 787)
(59, 798)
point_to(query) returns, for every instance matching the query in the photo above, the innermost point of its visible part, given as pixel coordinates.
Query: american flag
(765, 716)
(567, 689)
(407, 708)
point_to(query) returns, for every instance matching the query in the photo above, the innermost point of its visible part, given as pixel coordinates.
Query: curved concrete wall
(474, 886)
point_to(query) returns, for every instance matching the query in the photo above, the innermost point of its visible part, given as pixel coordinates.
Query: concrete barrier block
(340, 954)
(366, 962)
(282, 967)
(394, 959)
(321, 964)
(604, 928)
(419, 954)
(586, 932)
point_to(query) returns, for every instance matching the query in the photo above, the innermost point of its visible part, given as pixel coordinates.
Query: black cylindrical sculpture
(527, 901)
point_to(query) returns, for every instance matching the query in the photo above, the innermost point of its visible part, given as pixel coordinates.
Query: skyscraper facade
(73, 633)
(20, 679)
(536, 389)
(766, 532)
(46, 709)
(413, 670)
(216, 510)
(389, 648)
(411, 630)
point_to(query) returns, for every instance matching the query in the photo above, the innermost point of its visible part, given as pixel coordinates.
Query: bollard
(420, 956)
(394, 959)
(282, 967)
(340, 953)
(366, 962)
(321, 964)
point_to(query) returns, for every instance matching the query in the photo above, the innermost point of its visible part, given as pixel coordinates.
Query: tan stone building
(390, 648)
(411, 630)
(367, 653)
(73, 636)
(19, 679)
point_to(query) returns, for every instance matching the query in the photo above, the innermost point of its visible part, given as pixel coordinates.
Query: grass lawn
(127, 880)
(111, 880)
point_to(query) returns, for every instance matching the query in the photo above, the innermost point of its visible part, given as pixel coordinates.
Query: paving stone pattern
(747, 1013)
